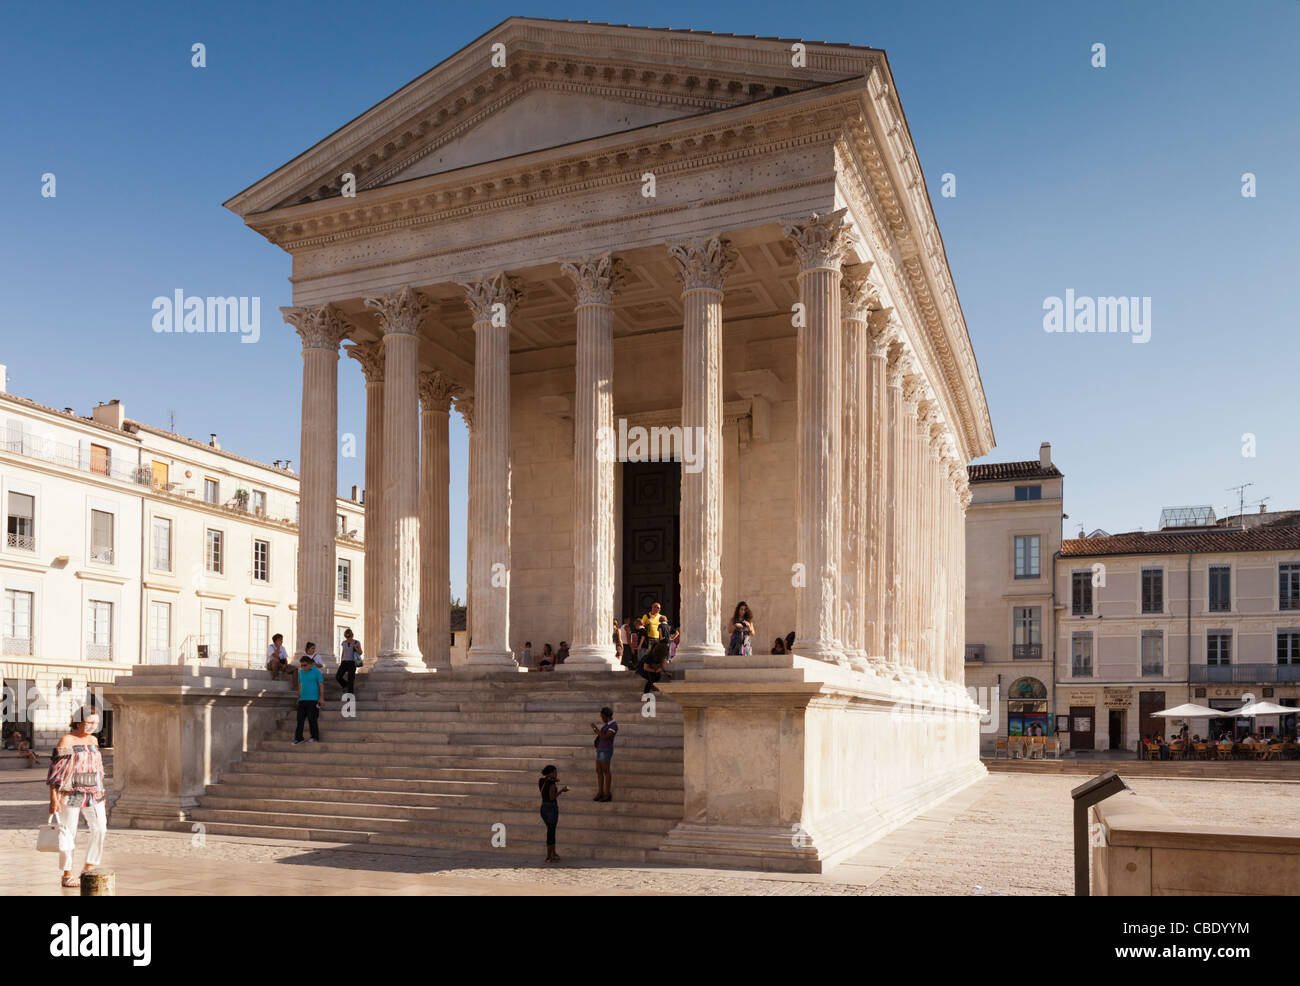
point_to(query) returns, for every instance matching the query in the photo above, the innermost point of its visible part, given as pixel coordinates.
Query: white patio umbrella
(1189, 711)
(1253, 709)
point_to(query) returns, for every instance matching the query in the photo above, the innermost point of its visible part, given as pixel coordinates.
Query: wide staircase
(443, 761)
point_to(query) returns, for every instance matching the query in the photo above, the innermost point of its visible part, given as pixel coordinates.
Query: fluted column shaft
(491, 301)
(701, 268)
(436, 392)
(911, 617)
(371, 357)
(321, 330)
(856, 480)
(593, 466)
(880, 335)
(894, 463)
(821, 244)
(400, 315)
(465, 406)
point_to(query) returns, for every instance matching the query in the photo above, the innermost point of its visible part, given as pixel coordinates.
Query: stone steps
(396, 791)
(470, 832)
(530, 842)
(431, 807)
(437, 761)
(649, 775)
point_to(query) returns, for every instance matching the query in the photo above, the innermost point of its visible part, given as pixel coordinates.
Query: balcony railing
(17, 646)
(73, 457)
(98, 652)
(104, 555)
(975, 652)
(21, 542)
(1245, 673)
(1027, 652)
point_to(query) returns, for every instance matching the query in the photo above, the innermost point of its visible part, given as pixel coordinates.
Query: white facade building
(125, 544)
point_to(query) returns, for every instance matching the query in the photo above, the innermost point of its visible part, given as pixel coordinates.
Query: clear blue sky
(1117, 181)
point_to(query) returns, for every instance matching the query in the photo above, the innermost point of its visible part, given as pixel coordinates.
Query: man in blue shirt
(311, 689)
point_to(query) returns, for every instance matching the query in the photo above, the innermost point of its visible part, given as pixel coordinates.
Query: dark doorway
(1117, 717)
(651, 499)
(1148, 723)
(1081, 735)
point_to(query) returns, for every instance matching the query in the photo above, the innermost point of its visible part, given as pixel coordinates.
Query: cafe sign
(1118, 698)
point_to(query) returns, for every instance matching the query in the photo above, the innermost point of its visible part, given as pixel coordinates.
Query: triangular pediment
(530, 84)
(538, 118)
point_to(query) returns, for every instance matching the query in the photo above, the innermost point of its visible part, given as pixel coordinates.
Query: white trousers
(96, 821)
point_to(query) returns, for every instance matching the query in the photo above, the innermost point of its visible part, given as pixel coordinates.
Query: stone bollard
(98, 885)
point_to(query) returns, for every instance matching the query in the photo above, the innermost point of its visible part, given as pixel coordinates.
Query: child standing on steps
(548, 784)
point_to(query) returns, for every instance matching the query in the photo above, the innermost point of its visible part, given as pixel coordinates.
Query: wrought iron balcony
(1027, 652)
(98, 652)
(21, 542)
(1245, 673)
(104, 555)
(17, 646)
(974, 652)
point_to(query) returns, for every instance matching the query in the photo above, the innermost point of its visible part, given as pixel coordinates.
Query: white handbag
(47, 837)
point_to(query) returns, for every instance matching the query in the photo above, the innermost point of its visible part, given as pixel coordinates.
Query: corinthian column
(895, 370)
(491, 301)
(702, 265)
(594, 454)
(881, 334)
(321, 330)
(857, 294)
(400, 314)
(820, 243)
(465, 405)
(436, 392)
(371, 357)
(911, 642)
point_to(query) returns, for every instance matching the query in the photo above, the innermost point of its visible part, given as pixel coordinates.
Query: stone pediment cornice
(878, 161)
(693, 71)
(709, 140)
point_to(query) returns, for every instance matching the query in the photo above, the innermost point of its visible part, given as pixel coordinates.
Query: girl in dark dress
(548, 784)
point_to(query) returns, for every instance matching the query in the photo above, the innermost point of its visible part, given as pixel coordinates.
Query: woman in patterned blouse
(76, 782)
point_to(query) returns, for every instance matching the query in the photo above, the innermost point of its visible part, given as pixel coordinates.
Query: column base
(409, 661)
(496, 660)
(591, 658)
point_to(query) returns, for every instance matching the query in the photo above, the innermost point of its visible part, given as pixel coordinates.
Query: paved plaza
(1009, 834)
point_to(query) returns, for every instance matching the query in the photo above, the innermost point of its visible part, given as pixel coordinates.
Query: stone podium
(178, 728)
(793, 764)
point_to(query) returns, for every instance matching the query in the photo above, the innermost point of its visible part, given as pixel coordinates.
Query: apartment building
(1201, 610)
(1013, 532)
(125, 544)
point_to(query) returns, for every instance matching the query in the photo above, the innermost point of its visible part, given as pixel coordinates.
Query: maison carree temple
(569, 232)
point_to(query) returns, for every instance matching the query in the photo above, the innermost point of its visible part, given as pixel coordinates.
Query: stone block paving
(1007, 835)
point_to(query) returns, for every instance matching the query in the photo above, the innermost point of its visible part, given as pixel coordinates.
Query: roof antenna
(1241, 502)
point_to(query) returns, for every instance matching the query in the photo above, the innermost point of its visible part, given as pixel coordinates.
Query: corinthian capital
(822, 241)
(494, 298)
(597, 278)
(437, 391)
(371, 357)
(913, 388)
(400, 312)
(703, 263)
(465, 407)
(898, 365)
(318, 328)
(883, 330)
(858, 294)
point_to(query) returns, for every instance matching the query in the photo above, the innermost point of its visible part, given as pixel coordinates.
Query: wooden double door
(651, 567)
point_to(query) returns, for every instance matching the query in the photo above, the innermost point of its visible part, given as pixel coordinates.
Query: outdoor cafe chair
(1000, 750)
(1202, 751)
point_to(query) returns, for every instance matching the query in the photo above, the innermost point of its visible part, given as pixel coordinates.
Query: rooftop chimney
(355, 493)
(213, 440)
(1262, 507)
(112, 414)
(1045, 455)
